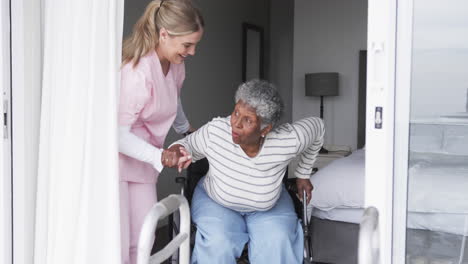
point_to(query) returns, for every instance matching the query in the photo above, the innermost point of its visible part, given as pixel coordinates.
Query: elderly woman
(241, 199)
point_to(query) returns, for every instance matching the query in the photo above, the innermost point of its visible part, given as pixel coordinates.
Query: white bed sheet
(440, 222)
(438, 183)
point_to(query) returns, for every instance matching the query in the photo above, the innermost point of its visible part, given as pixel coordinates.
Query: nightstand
(334, 152)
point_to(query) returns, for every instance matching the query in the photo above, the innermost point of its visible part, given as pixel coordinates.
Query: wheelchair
(198, 170)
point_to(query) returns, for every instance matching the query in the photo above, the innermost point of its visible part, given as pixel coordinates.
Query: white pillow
(340, 184)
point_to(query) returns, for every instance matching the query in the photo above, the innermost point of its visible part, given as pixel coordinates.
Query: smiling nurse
(152, 75)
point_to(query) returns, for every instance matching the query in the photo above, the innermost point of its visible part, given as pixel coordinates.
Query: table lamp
(321, 84)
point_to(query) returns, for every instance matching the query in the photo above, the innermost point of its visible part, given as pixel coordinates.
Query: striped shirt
(247, 184)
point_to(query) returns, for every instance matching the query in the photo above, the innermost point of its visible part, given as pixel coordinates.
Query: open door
(417, 131)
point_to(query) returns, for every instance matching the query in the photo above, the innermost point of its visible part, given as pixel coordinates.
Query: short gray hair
(264, 98)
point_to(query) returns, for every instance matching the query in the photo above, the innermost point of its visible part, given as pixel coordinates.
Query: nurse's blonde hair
(178, 17)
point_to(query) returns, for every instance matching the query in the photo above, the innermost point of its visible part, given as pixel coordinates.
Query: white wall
(214, 73)
(328, 35)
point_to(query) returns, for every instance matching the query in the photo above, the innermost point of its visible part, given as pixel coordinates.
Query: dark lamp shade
(321, 84)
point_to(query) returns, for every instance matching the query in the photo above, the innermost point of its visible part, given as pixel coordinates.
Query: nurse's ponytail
(178, 17)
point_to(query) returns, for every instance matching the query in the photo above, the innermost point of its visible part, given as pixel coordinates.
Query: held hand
(304, 184)
(170, 156)
(176, 157)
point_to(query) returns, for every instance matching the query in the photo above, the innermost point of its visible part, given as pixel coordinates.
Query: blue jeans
(274, 236)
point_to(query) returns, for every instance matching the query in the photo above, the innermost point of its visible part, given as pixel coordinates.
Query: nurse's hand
(176, 157)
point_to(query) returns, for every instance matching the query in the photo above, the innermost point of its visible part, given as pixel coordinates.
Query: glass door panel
(437, 206)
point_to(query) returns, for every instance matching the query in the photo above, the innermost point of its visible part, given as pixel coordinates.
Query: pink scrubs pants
(136, 199)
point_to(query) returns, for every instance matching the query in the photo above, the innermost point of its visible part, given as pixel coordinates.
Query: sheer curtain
(77, 217)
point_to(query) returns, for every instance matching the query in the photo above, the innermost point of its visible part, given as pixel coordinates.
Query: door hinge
(5, 119)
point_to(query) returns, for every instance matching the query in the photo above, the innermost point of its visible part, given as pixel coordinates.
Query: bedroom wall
(328, 35)
(215, 72)
(281, 51)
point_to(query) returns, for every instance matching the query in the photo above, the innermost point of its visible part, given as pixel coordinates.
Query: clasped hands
(176, 157)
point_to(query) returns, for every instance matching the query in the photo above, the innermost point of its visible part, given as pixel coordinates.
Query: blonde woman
(152, 75)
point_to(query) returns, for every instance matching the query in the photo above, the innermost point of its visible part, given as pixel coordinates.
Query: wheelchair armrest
(180, 180)
(291, 185)
(182, 183)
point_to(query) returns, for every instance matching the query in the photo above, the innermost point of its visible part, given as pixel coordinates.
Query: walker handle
(160, 210)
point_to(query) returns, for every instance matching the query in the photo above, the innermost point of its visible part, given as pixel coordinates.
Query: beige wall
(328, 35)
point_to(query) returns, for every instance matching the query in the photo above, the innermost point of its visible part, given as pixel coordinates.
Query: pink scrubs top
(148, 104)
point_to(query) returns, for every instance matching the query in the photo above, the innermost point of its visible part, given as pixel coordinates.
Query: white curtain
(77, 217)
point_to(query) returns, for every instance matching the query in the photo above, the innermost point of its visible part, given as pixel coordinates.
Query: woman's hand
(304, 184)
(185, 160)
(176, 157)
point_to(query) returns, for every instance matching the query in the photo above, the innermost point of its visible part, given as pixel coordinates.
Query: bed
(437, 223)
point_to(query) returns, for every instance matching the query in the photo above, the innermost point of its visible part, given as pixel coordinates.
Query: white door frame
(403, 67)
(6, 229)
(380, 118)
(389, 82)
